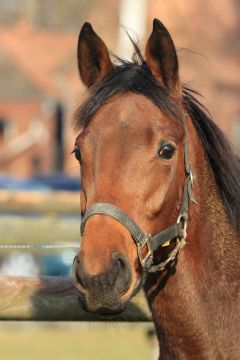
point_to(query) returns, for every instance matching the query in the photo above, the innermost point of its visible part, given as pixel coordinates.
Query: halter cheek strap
(146, 243)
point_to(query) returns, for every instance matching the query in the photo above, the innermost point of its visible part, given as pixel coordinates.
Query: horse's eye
(166, 151)
(77, 153)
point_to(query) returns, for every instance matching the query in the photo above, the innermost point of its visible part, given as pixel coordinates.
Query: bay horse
(160, 200)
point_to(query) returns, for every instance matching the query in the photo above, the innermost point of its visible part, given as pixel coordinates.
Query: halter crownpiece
(147, 243)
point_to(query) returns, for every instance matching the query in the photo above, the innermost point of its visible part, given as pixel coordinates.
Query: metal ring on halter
(183, 220)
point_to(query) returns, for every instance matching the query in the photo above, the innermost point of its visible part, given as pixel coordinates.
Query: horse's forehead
(130, 111)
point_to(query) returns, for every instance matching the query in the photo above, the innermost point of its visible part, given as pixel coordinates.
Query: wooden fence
(55, 299)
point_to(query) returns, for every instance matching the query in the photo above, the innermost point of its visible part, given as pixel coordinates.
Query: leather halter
(149, 243)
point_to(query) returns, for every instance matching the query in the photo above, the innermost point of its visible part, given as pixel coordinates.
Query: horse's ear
(93, 57)
(161, 56)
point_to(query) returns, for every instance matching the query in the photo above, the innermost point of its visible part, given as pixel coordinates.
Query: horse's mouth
(101, 301)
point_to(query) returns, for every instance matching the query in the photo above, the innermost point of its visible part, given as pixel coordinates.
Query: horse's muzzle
(103, 293)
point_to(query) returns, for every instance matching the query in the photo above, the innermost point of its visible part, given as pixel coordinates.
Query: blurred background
(39, 178)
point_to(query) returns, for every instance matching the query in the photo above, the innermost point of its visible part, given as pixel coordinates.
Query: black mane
(225, 164)
(136, 77)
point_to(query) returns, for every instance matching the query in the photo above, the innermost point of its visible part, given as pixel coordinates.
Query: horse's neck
(196, 308)
(211, 234)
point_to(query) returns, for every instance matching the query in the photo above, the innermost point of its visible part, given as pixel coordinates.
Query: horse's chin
(103, 310)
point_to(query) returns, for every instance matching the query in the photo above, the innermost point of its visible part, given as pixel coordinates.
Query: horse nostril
(123, 272)
(121, 263)
(76, 274)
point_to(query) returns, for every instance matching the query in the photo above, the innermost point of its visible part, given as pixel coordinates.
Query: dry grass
(91, 342)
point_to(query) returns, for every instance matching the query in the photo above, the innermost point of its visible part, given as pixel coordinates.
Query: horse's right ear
(161, 56)
(93, 57)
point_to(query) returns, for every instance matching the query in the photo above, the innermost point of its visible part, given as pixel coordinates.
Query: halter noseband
(149, 243)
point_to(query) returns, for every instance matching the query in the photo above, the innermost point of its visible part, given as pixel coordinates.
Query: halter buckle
(146, 260)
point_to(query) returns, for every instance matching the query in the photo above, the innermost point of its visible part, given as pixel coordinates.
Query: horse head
(131, 153)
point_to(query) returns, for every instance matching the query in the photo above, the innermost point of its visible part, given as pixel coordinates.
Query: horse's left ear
(161, 56)
(93, 57)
